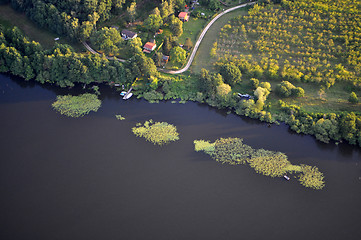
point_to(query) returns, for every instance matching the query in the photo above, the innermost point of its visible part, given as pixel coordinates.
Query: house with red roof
(149, 47)
(183, 16)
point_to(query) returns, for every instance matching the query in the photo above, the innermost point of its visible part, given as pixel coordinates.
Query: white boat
(127, 96)
(123, 93)
(286, 177)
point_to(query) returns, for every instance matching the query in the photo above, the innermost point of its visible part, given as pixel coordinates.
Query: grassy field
(9, 18)
(203, 59)
(192, 29)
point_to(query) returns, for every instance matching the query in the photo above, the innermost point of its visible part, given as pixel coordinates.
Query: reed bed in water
(274, 164)
(159, 133)
(77, 106)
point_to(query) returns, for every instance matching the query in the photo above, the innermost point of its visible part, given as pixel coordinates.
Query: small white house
(126, 34)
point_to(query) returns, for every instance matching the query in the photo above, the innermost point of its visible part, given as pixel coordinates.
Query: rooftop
(128, 33)
(182, 14)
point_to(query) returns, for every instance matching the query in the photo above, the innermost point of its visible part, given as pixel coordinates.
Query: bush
(297, 92)
(254, 82)
(231, 73)
(287, 89)
(265, 85)
(153, 96)
(178, 55)
(284, 89)
(76, 106)
(353, 98)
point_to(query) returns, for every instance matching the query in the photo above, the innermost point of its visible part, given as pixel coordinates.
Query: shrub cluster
(325, 127)
(287, 89)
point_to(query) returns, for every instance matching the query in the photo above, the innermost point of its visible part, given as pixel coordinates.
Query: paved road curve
(194, 51)
(201, 38)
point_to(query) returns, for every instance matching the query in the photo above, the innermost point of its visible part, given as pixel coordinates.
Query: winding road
(195, 48)
(191, 58)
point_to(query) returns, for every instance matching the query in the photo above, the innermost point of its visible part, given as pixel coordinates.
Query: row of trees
(306, 40)
(325, 127)
(59, 65)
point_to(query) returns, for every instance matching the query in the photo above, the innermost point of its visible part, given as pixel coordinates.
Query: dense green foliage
(353, 98)
(59, 65)
(313, 44)
(65, 17)
(211, 4)
(325, 127)
(107, 40)
(76, 106)
(304, 40)
(274, 164)
(153, 22)
(287, 89)
(156, 132)
(178, 55)
(231, 73)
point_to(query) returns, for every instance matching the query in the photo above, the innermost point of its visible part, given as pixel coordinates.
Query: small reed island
(159, 133)
(77, 106)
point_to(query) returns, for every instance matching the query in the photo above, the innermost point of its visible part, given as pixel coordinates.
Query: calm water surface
(91, 178)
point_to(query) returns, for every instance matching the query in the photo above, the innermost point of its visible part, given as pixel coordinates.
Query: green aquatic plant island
(269, 163)
(77, 106)
(120, 117)
(159, 133)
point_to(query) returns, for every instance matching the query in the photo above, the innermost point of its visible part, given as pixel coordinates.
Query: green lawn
(9, 18)
(192, 29)
(203, 59)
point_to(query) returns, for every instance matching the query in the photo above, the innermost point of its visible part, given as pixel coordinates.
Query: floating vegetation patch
(231, 150)
(311, 177)
(156, 132)
(76, 106)
(201, 145)
(269, 163)
(120, 117)
(274, 164)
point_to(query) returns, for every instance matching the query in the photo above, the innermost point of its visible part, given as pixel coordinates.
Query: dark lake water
(91, 178)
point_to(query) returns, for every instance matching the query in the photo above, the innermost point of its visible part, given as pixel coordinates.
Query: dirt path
(95, 52)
